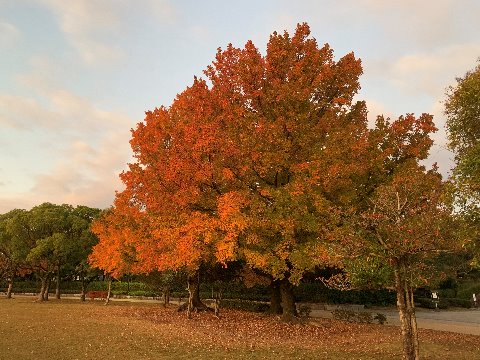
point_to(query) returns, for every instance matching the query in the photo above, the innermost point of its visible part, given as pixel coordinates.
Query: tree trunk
(166, 295)
(84, 289)
(407, 316)
(9, 288)
(194, 303)
(57, 284)
(47, 288)
(109, 292)
(413, 319)
(288, 301)
(275, 298)
(43, 286)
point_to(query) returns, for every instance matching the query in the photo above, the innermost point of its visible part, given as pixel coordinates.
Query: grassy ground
(69, 329)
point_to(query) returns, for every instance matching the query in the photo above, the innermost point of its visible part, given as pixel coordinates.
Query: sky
(76, 76)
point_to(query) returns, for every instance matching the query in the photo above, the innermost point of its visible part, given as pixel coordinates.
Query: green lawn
(69, 329)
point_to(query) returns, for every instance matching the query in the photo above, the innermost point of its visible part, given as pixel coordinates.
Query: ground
(74, 330)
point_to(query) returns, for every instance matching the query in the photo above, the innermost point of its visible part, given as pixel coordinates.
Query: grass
(70, 329)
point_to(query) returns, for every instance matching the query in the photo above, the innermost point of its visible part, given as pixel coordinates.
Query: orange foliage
(253, 164)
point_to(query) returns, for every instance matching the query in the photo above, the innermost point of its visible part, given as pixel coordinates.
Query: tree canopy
(253, 163)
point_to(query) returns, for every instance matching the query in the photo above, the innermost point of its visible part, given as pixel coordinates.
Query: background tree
(462, 108)
(406, 218)
(50, 238)
(14, 248)
(81, 219)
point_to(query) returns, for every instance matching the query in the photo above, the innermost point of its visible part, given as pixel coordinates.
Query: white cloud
(89, 26)
(163, 10)
(26, 113)
(87, 147)
(432, 72)
(375, 109)
(9, 34)
(87, 174)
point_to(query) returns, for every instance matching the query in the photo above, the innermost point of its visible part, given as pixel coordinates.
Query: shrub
(455, 302)
(466, 293)
(363, 317)
(381, 318)
(246, 305)
(304, 310)
(428, 303)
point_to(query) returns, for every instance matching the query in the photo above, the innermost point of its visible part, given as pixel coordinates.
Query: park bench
(97, 294)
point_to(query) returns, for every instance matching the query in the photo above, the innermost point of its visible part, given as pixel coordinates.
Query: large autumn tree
(254, 162)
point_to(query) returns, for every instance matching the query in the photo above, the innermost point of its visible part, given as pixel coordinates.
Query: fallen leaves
(252, 330)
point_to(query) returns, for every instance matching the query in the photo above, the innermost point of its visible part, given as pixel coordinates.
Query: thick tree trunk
(288, 301)
(194, 303)
(9, 288)
(407, 316)
(275, 298)
(57, 284)
(193, 284)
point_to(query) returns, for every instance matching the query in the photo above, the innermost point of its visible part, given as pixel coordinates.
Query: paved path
(465, 321)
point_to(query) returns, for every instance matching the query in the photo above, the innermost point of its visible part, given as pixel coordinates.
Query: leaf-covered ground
(257, 331)
(69, 329)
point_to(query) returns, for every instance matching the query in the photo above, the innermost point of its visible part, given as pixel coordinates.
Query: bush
(363, 317)
(304, 310)
(317, 292)
(428, 303)
(455, 302)
(381, 318)
(466, 293)
(447, 293)
(246, 305)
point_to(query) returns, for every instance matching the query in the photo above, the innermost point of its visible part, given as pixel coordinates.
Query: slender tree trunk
(288, 301)
(9, 288)
(275, 298)
(413, 319)
(405, 314)
(109, 292)
(47, 288)
(166, 295)
(84, 289)
(43, 286)
(57, 284)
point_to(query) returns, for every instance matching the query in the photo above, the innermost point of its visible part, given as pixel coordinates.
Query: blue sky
(76, 76)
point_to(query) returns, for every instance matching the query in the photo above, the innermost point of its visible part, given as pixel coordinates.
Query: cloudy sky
(76, 76)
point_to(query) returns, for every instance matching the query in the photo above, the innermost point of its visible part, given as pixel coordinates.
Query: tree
(253, 164)
(462, 108)
(407, 218)
(49, 238)
(77, 264)
(13, 249)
